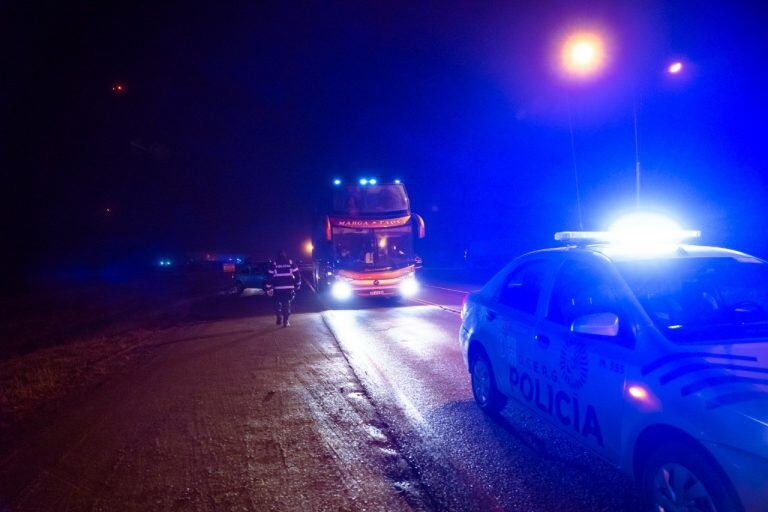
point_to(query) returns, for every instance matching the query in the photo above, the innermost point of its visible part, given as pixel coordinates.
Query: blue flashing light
(337, 182)
(637, 230)
(372, 181)
(363, 181)
(239, 260)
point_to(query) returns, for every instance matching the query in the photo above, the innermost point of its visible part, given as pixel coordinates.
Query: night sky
(235, 118)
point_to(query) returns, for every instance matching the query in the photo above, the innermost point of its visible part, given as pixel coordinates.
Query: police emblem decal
(574, 363)
(376, 282)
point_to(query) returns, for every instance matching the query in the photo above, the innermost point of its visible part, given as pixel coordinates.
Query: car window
(521, 290)
(582, 288)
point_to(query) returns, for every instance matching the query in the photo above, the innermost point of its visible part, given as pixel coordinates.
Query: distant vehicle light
(337, 182)
(397, 182)
(341, 290)
(372, 181)
(309, 247)
(409, 287)
(675, 67)
(363, 181)
(239, 260)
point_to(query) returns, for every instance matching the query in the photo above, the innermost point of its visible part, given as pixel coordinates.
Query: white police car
(652, 353)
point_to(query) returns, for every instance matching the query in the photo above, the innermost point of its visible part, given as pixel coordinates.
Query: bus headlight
(409, 287)
(341, 290)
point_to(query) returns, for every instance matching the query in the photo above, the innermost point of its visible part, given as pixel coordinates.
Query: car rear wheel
(684, 478)
(487, 396)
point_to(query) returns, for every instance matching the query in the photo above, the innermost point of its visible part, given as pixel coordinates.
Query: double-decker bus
(365, 246)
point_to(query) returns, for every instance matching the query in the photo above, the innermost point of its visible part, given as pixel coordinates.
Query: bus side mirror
(597, 324)
(419, 222)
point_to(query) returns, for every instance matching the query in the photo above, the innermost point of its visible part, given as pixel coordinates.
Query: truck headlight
(341, 290)
(409, 287)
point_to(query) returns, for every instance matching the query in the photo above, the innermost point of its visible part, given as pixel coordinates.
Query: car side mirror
(597, 324)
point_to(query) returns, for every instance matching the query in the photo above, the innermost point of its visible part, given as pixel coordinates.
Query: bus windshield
(373, 199)
(373, 249)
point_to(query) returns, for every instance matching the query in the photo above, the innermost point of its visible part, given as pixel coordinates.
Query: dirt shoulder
(224, 411)
(55, 340)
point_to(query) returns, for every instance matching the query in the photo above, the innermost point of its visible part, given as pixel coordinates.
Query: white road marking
(463, 292)
(441, 306)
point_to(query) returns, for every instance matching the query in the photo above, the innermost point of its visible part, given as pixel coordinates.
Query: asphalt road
(408, 360)
(366, 406)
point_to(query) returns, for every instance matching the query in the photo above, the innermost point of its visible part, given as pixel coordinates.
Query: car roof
(620, 254)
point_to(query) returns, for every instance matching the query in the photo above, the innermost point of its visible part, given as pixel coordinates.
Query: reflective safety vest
(283, 276)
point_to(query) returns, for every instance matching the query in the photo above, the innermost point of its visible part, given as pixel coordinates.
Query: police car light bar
(639, 228)
(610, 237)
(582, 236)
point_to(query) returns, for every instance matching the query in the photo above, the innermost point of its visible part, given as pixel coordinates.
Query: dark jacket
(283, 276)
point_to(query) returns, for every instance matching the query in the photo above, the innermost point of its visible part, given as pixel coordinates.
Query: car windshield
(702, 299)
(359, 249)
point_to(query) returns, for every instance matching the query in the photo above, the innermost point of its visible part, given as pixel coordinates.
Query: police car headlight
(341, 290)
(409, 287)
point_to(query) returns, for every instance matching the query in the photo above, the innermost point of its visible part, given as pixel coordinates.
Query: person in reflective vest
(283, 279)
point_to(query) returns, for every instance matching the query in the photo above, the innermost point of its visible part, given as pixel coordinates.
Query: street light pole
(637, 160)
(582, 57)
(575, 169)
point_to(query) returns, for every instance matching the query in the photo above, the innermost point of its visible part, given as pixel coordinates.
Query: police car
(651, 352)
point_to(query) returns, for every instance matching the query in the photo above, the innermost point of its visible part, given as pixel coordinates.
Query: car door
(512, 315)
(578, 380)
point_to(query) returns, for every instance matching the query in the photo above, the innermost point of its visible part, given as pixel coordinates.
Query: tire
(487, 395)
(683, 472)
(240, 287)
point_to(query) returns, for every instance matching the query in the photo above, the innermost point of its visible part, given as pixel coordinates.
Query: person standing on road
(283, 280)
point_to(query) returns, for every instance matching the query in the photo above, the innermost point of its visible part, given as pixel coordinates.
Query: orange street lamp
(583, 54)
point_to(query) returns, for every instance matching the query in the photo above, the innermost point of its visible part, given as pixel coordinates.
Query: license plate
(377, 292)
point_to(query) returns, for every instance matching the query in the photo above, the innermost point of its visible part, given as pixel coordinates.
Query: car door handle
(490, 315)
(542, 340)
